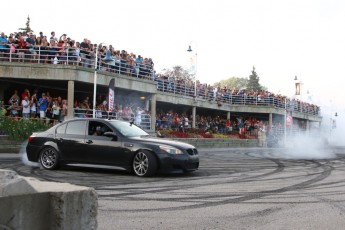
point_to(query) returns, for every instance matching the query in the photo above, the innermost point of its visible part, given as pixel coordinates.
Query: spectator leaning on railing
(30, 41)
(3, 43)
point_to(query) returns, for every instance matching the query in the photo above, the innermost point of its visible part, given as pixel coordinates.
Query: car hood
(162, 141)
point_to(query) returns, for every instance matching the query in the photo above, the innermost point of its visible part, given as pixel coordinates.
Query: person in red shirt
(25, 93)
(21, 47)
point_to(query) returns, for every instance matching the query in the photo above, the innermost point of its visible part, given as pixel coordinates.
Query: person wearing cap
(30, 41)
(43, 104)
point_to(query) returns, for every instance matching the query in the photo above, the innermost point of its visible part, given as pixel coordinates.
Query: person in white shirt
(56, 111)
(33, 105)
(26, 107)
(186, 122)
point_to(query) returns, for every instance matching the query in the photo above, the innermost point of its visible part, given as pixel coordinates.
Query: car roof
(95, 119)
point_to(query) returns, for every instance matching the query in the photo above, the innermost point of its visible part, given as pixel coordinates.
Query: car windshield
(127, 129)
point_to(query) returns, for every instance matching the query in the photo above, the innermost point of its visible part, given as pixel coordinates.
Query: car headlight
(170, 149)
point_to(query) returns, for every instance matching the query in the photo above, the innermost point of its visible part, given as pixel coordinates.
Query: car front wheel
(49, 158)
(144, 164)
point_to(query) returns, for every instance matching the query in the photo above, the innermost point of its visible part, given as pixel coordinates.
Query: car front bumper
(182, 162)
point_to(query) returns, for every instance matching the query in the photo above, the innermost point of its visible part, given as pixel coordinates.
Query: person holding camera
(43, 104)
(14, 107)
(26, 107)
(33, 102)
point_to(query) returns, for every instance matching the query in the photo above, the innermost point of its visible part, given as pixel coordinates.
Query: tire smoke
(24, 157)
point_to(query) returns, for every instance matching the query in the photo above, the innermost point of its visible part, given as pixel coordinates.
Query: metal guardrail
(143, 120)
(188, 90)
(70, 56)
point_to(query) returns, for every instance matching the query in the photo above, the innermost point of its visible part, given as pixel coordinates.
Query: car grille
(192, 166)
(192, 151)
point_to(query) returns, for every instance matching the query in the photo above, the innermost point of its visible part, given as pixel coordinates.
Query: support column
(308, 126)
(270, 120)
(194, 116)
(70, 100)
(153, 111)
(147, 104)
(228, 115)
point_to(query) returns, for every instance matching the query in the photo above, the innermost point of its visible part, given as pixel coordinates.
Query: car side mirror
(111, 134)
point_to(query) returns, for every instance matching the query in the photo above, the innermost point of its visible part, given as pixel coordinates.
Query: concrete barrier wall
(26, 203)
(197, 142)
(219, 142)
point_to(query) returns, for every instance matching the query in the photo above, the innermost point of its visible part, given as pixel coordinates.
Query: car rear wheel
(144, 164)
(49, 158)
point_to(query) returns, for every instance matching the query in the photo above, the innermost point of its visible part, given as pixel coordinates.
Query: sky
(281, 38)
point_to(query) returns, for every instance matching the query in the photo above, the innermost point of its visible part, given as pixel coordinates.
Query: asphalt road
(233, 189)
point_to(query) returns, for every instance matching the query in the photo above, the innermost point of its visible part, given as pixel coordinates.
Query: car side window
(61, 129)
(76, 128)
(97, 128)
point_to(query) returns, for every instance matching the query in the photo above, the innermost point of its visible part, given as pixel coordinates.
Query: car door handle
(89, 142)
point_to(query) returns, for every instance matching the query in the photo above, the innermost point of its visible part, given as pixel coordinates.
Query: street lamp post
(332, 125)
(194, 68)
(285, 124)
(95, 85)
(290, 107)
(95, 82)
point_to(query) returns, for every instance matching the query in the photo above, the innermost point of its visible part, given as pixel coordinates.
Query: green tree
(178, 72)
(232, 83)
(27, 28)
(253, 81)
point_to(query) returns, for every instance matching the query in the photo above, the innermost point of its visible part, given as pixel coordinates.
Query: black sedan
(110, 142)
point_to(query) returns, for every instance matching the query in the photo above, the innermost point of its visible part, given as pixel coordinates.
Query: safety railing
(72, 56)
(143, 120)
(170, 86)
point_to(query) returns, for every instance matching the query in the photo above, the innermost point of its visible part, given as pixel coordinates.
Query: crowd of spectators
(243, 127)
(220, 95)
(209, 123)
(31, 105)
(128, 112)
(29, 47)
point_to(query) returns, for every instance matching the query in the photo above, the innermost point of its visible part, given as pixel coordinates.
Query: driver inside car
(98, 131)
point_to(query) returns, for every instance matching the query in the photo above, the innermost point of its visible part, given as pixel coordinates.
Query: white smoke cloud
(333, 126)
(24, 157)
(320, 142)
(307, 146)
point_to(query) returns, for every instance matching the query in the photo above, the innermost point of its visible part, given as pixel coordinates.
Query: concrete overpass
(75, 79)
